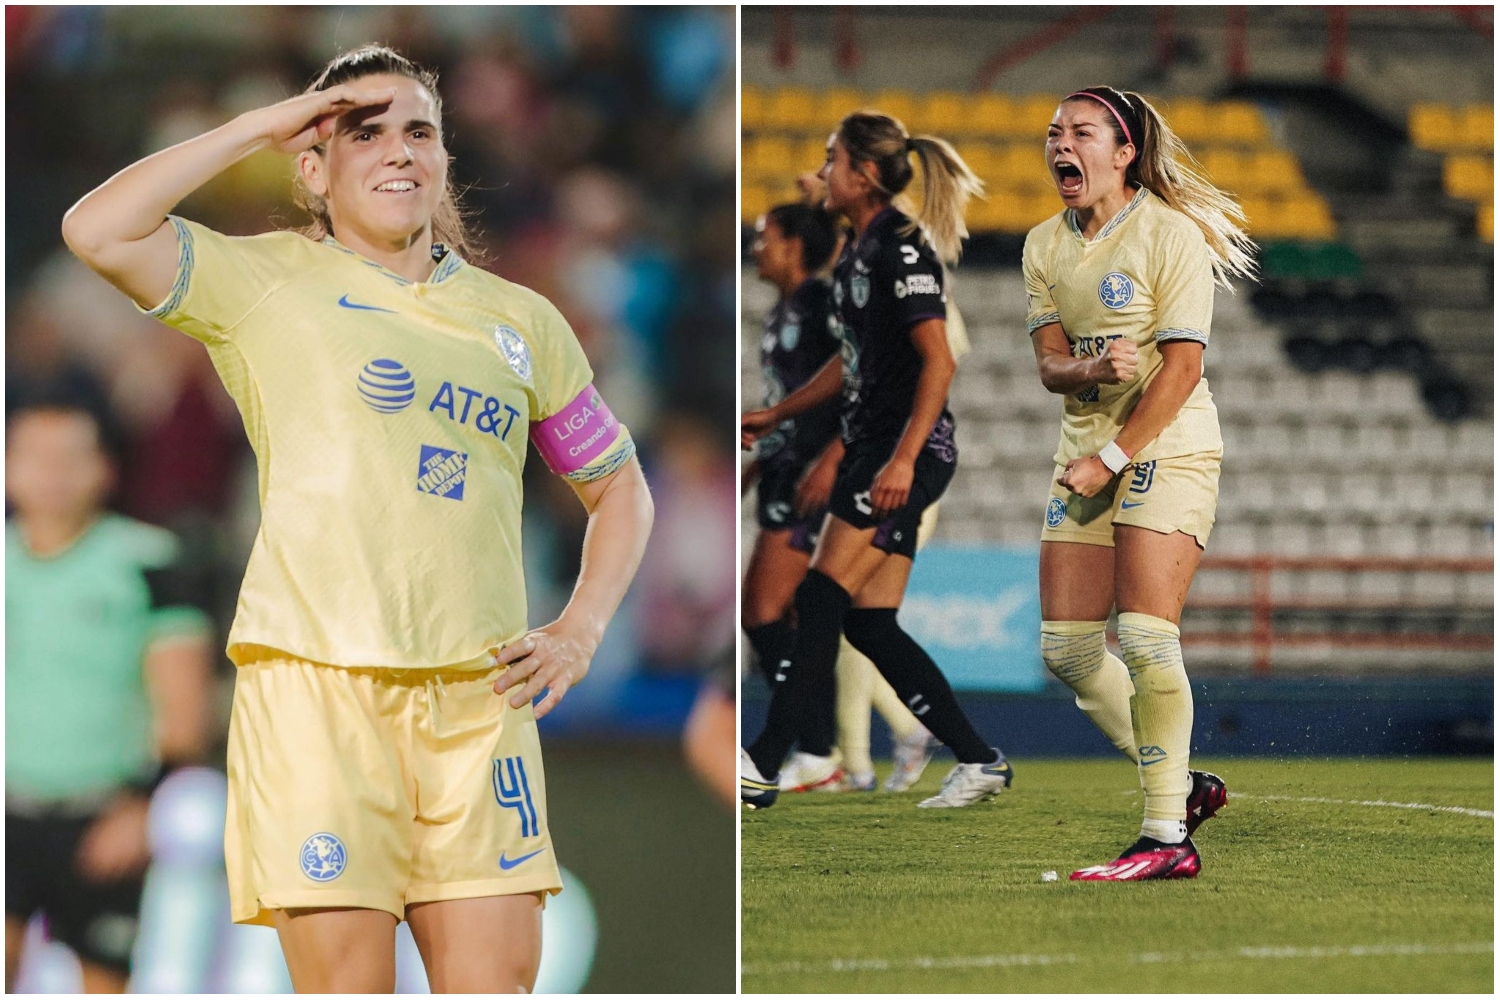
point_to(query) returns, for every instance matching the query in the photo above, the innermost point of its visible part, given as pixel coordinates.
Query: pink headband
(1111, 107)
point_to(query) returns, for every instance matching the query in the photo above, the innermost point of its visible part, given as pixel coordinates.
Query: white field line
(1144, 958)
(1375, 803)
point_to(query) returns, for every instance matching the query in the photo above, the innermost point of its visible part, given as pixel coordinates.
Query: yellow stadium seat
(1240, 122)
(792, 109)
(946, 113)
(1191, 119)
(768, 157)
(1477, 127)
(1031, 117)
(1485, 222)
(755, 200)
(1469, 177)
(1226, 169)
(752, 108)
(899, 104)
(991, 114)
(980, 156)
(1274, 170)
(1024, 166)
(983, 215)
(1431, 126)
(835, 104)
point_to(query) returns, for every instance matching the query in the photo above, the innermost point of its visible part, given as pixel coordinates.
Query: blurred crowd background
(596, 149)
(1346, 599)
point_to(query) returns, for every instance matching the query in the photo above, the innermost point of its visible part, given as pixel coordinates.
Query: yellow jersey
(390, 422)
(1147, 276)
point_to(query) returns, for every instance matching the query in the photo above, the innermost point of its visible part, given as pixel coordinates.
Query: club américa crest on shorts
(1057, 511)
(1116, 290)
(323, 857)
(513, 348)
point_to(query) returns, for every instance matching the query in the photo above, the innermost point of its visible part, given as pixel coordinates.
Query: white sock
(1168, 831)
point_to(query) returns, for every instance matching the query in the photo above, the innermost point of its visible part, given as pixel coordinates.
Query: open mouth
(1069, 179)
(401, 186)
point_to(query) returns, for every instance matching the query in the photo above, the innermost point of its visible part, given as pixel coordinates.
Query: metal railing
(1262, 605)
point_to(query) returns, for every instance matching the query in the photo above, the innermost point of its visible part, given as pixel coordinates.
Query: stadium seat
(992, 114)
(768, 157)
(1484, 222)
(1476, 128)
(755, 200)
(1030, 118)
(1431, 126)
(834, 105)
(1242, 123)
(899, 104)
(752, 108)
(1192, 120)
(793, 109)
(946, 113)
(1275, 170)
(1469, 177)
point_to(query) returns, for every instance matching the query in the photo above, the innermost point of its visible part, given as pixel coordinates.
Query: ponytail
(947, 181)
(1163, 166)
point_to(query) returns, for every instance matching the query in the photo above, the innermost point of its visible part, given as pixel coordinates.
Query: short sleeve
(572, 427)
(1040, 309)
(917, 283)
(220, 279)
(1184, 286)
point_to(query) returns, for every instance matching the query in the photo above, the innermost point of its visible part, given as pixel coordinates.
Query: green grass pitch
(863, 892)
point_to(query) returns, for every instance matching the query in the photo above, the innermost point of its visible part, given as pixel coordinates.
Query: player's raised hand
(1118, 362)
(302, 122)
(549, 657)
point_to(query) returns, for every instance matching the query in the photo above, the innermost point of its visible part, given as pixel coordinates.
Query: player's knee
(1152, 649)
(820, 600)
(1072, 650)
(873, 630)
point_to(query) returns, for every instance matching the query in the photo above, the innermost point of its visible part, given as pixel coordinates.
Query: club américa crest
(513, 348)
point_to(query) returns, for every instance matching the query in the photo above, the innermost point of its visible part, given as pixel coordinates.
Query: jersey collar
(1112, 224)
(447, 266)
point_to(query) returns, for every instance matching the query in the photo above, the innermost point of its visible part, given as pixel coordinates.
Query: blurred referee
(107, 675)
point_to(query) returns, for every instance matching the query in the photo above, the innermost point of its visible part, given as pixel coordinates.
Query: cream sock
(1161, 712)
(1075, 653)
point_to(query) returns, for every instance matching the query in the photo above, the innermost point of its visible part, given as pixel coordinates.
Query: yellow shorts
(1172, 494)
(379, 788)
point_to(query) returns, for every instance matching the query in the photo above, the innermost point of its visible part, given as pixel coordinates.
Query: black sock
(917, 680)
(771, 642)
(821, 606)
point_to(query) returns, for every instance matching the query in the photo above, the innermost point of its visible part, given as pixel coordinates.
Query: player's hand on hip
(755, 425)
(1085, 476)
(891, 488)
(1118, 363)
(549, 657)
(306, 120)
(115, 847)
(815, 487)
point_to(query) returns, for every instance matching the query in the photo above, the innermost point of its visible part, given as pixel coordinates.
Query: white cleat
(804, 773)
(967, 784)
(911, 756)
(756, 792)
(854, 783)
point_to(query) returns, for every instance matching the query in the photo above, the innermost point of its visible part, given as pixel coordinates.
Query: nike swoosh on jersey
(506, 866)
(1127, 505)
(355, 305)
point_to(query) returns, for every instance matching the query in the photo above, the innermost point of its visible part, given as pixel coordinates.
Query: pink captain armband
(576, 436)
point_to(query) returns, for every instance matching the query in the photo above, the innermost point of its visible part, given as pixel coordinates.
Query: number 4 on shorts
(513, 792)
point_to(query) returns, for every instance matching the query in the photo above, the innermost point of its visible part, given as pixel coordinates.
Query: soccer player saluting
(389, 389)
(1120, 298)
(107, 677)
(895, 368)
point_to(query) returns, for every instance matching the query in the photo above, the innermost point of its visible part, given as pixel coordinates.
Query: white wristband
(1113, 457)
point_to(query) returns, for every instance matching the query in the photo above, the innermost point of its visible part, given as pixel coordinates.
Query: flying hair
(1163, 166)
(450, 221)
(947, 182)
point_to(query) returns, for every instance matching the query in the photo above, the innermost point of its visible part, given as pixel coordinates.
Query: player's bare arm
(120, 230)
(556, 656)
(1182, 367)
(892, 486)
(1064, 374)
(819, 389)
(816, 485)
